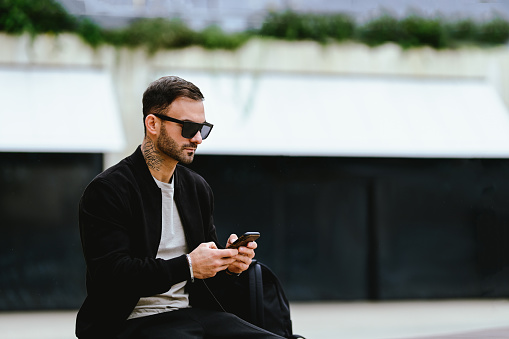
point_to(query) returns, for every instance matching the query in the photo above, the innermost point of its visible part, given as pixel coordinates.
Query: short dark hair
(162, 92)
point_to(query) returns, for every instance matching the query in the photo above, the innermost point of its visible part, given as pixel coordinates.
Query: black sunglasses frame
(189, 128)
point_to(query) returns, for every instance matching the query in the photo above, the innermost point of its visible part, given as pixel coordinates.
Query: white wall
(132, 70)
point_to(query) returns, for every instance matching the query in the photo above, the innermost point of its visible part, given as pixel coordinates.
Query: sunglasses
(189, 128)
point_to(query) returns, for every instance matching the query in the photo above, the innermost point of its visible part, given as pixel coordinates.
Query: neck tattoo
(152, 156)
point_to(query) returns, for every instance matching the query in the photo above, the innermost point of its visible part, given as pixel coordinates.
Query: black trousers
(193, 323)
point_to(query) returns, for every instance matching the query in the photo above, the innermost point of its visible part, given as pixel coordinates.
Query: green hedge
(412, 31)
(293, 26)
(47, 16)
(160, 33)
(43, 17)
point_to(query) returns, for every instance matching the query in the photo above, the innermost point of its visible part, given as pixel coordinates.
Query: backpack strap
(256, 295)
(252, 295)
(259, 295)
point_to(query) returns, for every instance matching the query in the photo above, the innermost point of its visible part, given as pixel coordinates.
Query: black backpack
(260, 300)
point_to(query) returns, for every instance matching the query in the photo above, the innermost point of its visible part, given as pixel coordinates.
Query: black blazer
(120, 228)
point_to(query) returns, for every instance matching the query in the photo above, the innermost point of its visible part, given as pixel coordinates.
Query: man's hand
(243, 258)
(207, 260)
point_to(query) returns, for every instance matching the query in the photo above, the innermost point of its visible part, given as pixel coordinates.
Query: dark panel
(326, 251)
(332, 228)
(357, 228)
(41, 263)
(312, 218)
(435, 238)
(427, 238)
(491, 218)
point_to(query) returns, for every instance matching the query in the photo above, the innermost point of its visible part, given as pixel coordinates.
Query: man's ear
(152, 124)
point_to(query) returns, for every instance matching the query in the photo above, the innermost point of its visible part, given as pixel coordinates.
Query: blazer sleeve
(107, 239)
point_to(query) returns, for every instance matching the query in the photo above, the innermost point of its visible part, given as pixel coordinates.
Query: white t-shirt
(173, 244)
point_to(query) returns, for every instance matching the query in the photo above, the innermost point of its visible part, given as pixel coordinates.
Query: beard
(168, 146)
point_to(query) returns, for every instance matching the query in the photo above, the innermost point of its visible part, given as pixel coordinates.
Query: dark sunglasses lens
(189, 129)
(205, 131)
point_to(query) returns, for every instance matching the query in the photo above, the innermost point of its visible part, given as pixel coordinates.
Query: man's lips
(190, 147)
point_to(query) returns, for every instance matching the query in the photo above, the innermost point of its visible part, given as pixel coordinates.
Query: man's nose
(197, 138)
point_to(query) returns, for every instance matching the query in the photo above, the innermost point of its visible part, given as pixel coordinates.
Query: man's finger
(227, 253)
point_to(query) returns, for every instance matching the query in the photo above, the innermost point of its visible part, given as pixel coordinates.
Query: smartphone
(244, 239)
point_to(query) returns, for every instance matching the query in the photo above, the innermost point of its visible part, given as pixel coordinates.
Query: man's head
(161, 93)
(174, 118)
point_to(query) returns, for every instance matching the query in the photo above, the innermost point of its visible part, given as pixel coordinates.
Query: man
(150, 245)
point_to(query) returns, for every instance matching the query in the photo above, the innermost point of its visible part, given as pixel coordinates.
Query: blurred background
(368, 141)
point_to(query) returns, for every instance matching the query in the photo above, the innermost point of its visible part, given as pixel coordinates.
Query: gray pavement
(398, 320)
(473, 319)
